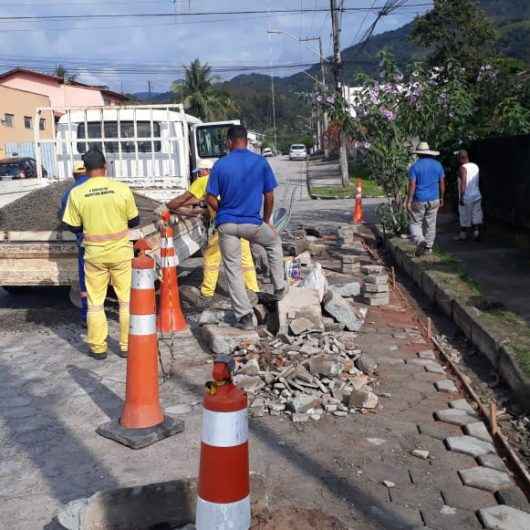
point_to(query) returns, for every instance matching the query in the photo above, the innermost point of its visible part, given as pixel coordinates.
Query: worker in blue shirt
(79, 178)
(240, 185)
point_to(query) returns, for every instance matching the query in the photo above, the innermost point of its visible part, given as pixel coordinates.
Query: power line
(197, 13)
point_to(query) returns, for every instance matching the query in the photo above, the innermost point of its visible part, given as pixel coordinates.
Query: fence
(505, 178)
(28, 149)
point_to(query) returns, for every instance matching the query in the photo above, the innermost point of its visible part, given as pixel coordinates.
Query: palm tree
(60, 71)
(199, 95)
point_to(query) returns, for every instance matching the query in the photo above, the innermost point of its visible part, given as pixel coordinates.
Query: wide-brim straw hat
(424, 149)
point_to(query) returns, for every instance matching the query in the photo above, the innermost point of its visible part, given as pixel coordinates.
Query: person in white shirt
(470, 204)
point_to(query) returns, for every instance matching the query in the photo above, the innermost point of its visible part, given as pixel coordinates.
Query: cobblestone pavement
(360, 468)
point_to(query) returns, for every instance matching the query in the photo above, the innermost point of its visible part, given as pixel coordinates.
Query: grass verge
(370, 189)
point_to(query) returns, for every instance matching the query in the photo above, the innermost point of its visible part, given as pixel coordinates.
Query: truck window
(211, 141)
(111, 132)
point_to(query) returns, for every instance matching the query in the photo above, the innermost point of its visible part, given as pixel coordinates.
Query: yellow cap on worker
(79, 167)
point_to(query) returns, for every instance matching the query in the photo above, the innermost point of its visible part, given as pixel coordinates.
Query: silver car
(298, 152)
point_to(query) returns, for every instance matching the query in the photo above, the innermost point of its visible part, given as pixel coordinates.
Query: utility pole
(337, 73)
(149, 87)
(273, 96)
(323, 74)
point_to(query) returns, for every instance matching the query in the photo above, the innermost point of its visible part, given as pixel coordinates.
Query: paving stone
(226, 339)
(455, 417)
(429, 366)
(492, 461)
(446, 386)
(479, 430)
(449, 518)
(15, 401)
(347, 290)
(461, 404)
(395, 517)
(427, 354)
(301, 302)
(17, 412)
(466, 498)
(504, 518)
(485, 479)
(513, 497)
(468, 445)
(343, 312)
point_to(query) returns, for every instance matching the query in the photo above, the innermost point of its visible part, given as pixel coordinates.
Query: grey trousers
(264, 235)
(423, 222)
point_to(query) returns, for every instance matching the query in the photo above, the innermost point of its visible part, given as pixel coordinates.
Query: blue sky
(127, 52)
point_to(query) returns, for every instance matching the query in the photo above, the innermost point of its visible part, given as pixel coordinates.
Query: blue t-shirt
(240, 179)
(427, 173)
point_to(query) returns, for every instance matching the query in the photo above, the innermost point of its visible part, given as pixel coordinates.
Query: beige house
(17, 112)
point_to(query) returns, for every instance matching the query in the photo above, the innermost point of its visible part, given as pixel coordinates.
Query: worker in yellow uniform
(104, 210)
(212, 254)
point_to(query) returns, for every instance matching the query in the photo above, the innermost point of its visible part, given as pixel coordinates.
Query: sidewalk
(501, 270)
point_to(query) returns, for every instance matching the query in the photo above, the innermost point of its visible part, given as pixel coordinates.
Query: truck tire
(15, 290)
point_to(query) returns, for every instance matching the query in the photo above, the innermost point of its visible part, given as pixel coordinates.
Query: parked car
(267, 152)
(298, 152)
(19, 168)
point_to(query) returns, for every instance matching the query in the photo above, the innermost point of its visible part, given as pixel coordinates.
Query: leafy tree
(201, 97)
(456, 32)
(60, 71)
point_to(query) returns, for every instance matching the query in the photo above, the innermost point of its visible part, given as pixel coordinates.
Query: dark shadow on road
(69, 468)
(342, 488)
(109, 402)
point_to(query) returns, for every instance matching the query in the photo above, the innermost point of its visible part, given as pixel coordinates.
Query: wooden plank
(40, 235)
(27, 249)
(59, 271)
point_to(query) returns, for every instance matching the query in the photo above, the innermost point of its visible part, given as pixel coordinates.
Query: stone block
(377, 279)
(439, 431)
(468, 445)
(375, 288)
(376, 299)
(303, 403)
(372, 269)
(429, 366)
(217, 317)
(449, 518)
(428, 286)
(486, 479)
(226, 339)
(461, 404)
(428, 355)
(493, 461)
(302, 302)
(343, 312)
(366, 364)
(299, 325)
(504, 518)
(456, 417)
(463, 318)
(363, 399)
(326, 365)
(513, 497)
(444, 301)
(347, 290)
(485, 342)
(478, 430)
(465, 498)
(446, 386)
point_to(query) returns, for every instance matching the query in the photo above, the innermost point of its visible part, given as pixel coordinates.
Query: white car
(298, 152)
(267, 152)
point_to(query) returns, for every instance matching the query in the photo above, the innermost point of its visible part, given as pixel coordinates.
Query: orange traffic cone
(170, 317)
(142, 422)
(358, 210)
(224, 483)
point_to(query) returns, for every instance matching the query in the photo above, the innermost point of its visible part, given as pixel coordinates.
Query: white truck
(153, 148)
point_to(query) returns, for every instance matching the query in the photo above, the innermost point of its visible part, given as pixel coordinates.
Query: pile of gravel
(38, 210)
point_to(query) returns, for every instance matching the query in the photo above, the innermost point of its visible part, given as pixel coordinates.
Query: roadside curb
(500, 354)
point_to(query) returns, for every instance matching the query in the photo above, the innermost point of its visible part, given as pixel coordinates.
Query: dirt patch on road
(297, 519)
(38, 210)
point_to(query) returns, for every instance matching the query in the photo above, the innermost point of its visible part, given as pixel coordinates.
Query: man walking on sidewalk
(425, 197)
(470, 204)
(244, 181)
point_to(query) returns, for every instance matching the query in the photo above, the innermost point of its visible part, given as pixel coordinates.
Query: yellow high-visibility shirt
(198, 188)
(103, 207)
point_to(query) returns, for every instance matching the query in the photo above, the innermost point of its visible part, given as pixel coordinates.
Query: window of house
(9, 120)
(28, 122)
(42, 124)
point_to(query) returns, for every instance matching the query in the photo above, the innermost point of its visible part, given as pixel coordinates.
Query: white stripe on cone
(224, 429)
(168, 261)
(143, 278)
(167, 243)
(142, 325)
(228, 516)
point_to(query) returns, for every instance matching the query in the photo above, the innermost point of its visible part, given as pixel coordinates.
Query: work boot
(462, 236)
(99, 356)
(246, 322)
(421, 249)
(476, 235)
(123, 354)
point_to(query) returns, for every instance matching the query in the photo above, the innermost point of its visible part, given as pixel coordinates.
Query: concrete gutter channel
(468, 320)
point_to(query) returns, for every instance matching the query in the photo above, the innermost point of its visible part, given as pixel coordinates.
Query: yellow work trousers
(212, 263)
(98, 278)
